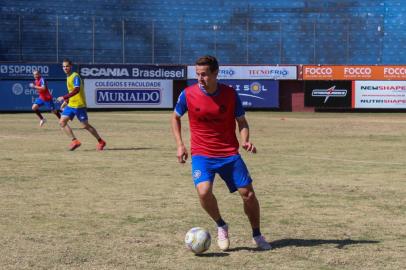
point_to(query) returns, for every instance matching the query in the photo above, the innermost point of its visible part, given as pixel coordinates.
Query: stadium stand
(237, 32)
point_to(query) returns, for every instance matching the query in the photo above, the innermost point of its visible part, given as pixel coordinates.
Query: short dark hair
(67, 60)
(208, 60)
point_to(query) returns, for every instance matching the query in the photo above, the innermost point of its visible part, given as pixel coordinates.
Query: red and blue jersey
(45, 95)
(211, 119)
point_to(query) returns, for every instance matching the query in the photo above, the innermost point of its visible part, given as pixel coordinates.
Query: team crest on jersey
(196, 174)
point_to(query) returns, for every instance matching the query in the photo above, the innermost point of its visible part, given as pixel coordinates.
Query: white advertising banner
(131, 93)
(251, 72)
(379, 94)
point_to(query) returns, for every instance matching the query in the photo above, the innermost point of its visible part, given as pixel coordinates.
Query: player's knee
(249, 196)
(86, 125)
(205, 194)
(62, 123)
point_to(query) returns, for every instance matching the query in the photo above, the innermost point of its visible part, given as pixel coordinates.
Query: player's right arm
(182, 153)
(63, 105)
(75, 91)
(180, 109)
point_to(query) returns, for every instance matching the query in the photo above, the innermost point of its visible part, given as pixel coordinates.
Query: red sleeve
(71, 94)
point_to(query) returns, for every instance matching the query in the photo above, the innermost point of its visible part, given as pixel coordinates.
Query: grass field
(332, 191)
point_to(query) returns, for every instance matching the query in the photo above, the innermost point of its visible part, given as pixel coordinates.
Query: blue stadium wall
(173, 32)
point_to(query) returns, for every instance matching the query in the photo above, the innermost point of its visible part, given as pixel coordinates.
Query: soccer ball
(198, 240)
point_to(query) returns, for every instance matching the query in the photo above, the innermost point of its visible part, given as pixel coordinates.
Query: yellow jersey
(78, 100)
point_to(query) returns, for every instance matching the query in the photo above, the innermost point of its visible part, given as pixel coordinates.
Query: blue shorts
(49, 104)
(231, 169)
(81, 113)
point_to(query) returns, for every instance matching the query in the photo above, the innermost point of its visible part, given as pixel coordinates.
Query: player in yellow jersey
(76, 106)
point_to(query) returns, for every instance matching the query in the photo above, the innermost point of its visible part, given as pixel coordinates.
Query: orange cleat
(100, 146)
(74, 144)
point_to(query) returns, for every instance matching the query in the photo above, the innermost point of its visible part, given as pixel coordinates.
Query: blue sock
(220, 222)
(256, 232)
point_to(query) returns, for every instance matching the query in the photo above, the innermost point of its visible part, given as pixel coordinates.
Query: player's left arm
(244, 129)
(243, 126)
(40, 88)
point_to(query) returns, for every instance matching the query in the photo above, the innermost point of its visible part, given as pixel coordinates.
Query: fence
(240, 40)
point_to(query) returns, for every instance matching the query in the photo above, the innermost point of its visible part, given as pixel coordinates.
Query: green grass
(331, 187)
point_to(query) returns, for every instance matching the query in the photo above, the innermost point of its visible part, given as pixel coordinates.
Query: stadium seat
(305, 31)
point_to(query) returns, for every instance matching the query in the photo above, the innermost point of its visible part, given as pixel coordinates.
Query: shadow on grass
(128, 148)
(213, 254)
(121, 149)
(243, 248)
(317, 242)
(282, 243)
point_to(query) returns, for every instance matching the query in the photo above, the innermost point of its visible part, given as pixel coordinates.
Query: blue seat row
(290, 32)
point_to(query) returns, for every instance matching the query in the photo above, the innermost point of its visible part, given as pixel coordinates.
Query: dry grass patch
(331, 187)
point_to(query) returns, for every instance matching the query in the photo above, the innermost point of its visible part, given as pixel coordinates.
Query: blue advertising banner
(133, 72)
(259, 94)
(18, 96)
(24, 71)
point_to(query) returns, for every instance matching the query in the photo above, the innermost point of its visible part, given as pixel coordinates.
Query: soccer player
(45, 97)
(213, 110)
(76, 106)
